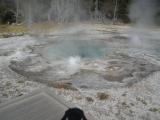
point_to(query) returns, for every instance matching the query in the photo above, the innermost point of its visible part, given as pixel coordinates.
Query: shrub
(9, 17)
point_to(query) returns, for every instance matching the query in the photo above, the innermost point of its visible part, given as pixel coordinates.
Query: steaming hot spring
(88, 58)
(92, 63)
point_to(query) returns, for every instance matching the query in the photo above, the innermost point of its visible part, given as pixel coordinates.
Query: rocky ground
(123, 85)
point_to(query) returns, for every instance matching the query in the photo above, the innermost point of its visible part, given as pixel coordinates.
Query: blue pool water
(97, 49)
(81, 48)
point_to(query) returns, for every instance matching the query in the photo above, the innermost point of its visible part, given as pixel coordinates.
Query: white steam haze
(143, 12)
(66, 10)
(59, 10)
(73, 64)
(143, 15)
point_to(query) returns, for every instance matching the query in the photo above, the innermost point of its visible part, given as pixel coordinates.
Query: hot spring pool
(87, 61)
(96, 49)
(90, 49)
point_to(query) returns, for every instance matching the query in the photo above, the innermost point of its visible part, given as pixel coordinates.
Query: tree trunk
(17, 11)
(96, 9)
(115, 12)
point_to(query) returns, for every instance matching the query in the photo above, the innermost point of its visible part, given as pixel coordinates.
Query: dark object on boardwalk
(74, 114)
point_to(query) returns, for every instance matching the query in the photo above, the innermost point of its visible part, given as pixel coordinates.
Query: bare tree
(115, 11)
(17, 10)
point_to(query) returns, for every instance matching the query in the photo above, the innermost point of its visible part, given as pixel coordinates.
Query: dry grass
(141, 100)
(66, 86)
(125, 105)
(44, 27)
(102, 96)
(154, 110)
(89, 99)
(8, 29)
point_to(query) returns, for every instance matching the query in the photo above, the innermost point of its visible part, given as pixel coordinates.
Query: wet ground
(110, 71)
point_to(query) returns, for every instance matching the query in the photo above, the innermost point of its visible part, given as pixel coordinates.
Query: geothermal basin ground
(111, 72)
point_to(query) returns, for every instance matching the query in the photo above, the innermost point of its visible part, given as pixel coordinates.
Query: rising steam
(143, 12)
(59, 10)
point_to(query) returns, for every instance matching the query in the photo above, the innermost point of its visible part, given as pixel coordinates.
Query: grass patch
(66, 86)
(21, 81)
(89, 99)
(102, 96)
(8, 84)
(45, 27)
(124, 104)
(154, 110)
(141, 100)
(9, 29)
(4, 94)
(131, 104)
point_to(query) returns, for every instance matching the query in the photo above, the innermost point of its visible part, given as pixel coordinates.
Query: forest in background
(12, 11)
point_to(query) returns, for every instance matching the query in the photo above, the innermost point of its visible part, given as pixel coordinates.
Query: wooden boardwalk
(40, 105)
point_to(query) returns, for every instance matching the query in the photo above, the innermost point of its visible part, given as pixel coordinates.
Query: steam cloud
(58, 10)
(143, 12)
